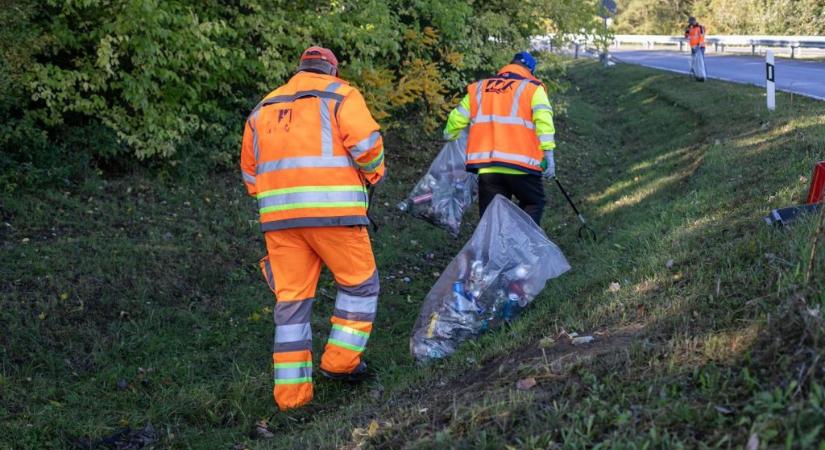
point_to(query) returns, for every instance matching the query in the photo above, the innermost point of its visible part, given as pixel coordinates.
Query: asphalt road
(800, 77)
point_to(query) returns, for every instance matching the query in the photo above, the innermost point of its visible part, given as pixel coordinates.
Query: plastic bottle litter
(445, 191)
(579, 340)
(501, 269)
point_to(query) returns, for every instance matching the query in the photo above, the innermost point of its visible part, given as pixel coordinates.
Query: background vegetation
(98, 84)
(782, 17)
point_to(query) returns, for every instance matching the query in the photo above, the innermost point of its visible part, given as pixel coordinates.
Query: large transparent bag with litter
(697, 64)
(501, 269)
(445, 191)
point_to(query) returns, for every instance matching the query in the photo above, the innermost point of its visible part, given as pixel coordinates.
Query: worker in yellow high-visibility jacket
(511, 138)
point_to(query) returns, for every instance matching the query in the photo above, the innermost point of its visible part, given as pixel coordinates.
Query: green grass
(142, 280)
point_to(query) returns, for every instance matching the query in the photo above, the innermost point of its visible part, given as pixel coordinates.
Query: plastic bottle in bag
(500, 270)
(443, 194)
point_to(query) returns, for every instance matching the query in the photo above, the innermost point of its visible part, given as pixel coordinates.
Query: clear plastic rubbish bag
(501, 269)
(446, 190)
(697, 65)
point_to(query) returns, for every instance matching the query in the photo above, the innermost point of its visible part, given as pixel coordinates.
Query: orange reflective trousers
(295, 257)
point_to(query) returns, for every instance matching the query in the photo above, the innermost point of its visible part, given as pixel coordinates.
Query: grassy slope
(155, 284)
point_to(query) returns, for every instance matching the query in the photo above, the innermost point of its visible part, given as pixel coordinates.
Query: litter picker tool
(370, 195)
(584, 229)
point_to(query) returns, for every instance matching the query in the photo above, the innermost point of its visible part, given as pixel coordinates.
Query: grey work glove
(549, 165)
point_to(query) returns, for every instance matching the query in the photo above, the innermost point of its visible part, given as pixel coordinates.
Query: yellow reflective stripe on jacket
(501, 170)
(543, 119)
(371, 165)
(458, 120)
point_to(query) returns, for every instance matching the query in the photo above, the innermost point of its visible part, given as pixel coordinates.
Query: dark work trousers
(527, 189)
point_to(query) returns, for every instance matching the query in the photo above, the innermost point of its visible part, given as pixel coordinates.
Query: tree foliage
(170, 79)
(771, 17)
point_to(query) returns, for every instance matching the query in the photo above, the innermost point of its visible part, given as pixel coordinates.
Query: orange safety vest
(304, 175)
(696, 35)
(501, 122)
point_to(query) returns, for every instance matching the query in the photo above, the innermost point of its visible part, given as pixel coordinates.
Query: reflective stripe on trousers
(292, 329)
(355, 308)
(293, 338)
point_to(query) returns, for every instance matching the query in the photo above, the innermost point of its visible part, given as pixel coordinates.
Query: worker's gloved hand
(445, 137)
(548, 165)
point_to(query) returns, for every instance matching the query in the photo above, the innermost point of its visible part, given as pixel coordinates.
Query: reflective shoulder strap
(517, 97)
(479, 90)
(327, 145)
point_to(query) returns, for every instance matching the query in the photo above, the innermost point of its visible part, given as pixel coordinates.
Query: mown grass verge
(137, 300)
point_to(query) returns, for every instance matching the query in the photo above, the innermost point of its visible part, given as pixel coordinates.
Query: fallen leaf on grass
(360, 435)
(372, 430)
(565, 335)
(525, 383)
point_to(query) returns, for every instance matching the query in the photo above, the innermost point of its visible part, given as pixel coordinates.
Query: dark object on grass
(123, 439)
(359, 374)
(786, 216)
(585, 229)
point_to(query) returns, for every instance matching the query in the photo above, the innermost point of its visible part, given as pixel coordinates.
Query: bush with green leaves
(171, 81)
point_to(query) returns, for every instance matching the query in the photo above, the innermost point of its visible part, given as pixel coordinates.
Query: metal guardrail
(793, 43)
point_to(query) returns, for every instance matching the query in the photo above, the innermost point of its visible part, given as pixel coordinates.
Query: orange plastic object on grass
(817, 184)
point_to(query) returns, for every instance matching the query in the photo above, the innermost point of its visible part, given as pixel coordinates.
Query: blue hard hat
(526, 60)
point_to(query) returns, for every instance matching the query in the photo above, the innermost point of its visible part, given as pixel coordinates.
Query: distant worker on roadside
(695, 34)
(311, 150)
(511, 138)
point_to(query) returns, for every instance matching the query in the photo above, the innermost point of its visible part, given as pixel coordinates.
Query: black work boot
(359, 374)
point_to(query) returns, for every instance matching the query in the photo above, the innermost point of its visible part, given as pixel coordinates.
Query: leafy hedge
(171, 80)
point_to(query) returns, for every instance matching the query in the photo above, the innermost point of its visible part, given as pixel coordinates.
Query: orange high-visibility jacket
(309, 149)
(696, 35)
(501, 126)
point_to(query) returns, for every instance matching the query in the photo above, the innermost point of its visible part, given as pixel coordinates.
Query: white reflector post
(770, 80)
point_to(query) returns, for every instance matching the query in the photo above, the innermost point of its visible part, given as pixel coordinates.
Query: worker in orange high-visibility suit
(311, 149)
(695, 34)
(512, 138)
